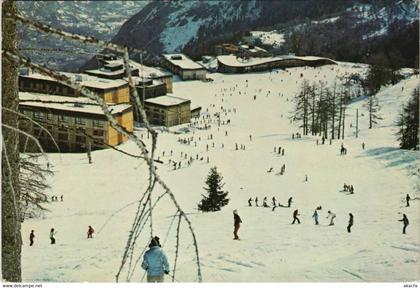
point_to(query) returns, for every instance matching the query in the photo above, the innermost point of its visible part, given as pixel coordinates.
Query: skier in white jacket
(332, 215)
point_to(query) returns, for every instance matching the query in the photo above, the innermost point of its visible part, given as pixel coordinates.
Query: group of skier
(274, 202)
(348, 188)
(53, 232)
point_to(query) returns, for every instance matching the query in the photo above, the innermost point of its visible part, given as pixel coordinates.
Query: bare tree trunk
(10, 217)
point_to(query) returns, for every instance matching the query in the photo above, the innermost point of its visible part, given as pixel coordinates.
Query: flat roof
(64, 103)
(184, 62)
(86, 80)
(167, 100)
(147, 71)
(234, 61)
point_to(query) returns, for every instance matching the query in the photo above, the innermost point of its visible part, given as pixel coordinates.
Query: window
(63, 118)
(62, 136)
(98, 132)
(81, 139)
(80, 121)
(98, 123)
(27, 113)
(49, 116)
(38, 115)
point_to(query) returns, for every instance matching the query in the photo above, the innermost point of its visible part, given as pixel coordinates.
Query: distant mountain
(194, 27)
(101, 19)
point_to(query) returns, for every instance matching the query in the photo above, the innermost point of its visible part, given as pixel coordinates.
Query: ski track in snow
(271, 249)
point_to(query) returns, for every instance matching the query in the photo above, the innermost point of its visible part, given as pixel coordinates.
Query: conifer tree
(372, 105)
(408, 135)
(216, 198)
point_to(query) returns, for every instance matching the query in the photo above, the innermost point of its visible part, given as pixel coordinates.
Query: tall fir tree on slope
(408, 135)
(216, 198)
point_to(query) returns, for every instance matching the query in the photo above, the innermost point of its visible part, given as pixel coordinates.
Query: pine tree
(409, 123)
(372, 105)
(216, 197)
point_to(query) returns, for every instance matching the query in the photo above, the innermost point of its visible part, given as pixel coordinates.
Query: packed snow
(271, 249)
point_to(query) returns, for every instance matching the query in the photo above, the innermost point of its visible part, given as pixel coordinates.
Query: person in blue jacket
(155, 262)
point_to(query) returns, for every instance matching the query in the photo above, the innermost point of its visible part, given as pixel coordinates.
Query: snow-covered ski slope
(270, 249)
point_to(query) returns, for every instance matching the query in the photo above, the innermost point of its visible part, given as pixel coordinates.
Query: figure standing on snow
(250, 202)
(316, 216)
(236, 223)
(274, 201)
(90, 232)
(31, 238)
(332, 215)
(155, 262)
(407, 199)
(295, 218)
(405, 221)
(289, 202)
(350, 223)
(256, 201)
(52, 238)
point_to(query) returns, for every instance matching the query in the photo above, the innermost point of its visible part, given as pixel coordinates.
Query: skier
(274, 201)
(363, 145)
(61, 197)
(31, 238)
(405, 221)
(52, 233)
(351, 189)
(155, 262)
(350, 223)
(237, 224)
(306, 177)
(250, 202)
(265, 202)
(407, 199)
(90, 232)
(295, 218)
(315, 216)
(332, 215)
(256, 201)
(289, 202)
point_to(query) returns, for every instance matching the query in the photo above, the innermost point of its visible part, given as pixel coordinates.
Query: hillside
(270, 249)
(101, 19)
(194, 27)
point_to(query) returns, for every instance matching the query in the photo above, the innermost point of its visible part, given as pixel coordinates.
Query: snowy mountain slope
(195, 26)
(101, 19)
(270, 249)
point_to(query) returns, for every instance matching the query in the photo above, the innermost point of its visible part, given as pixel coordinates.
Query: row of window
(37, 115)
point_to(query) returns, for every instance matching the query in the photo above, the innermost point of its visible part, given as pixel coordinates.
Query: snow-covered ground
(270, 249)
(272, 38)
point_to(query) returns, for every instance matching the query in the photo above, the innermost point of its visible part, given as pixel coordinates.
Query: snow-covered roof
(253, 49)
(146, 71)
(182, 61)
(64, 103)
(83, 79)
(234, 61)
(167, 100)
